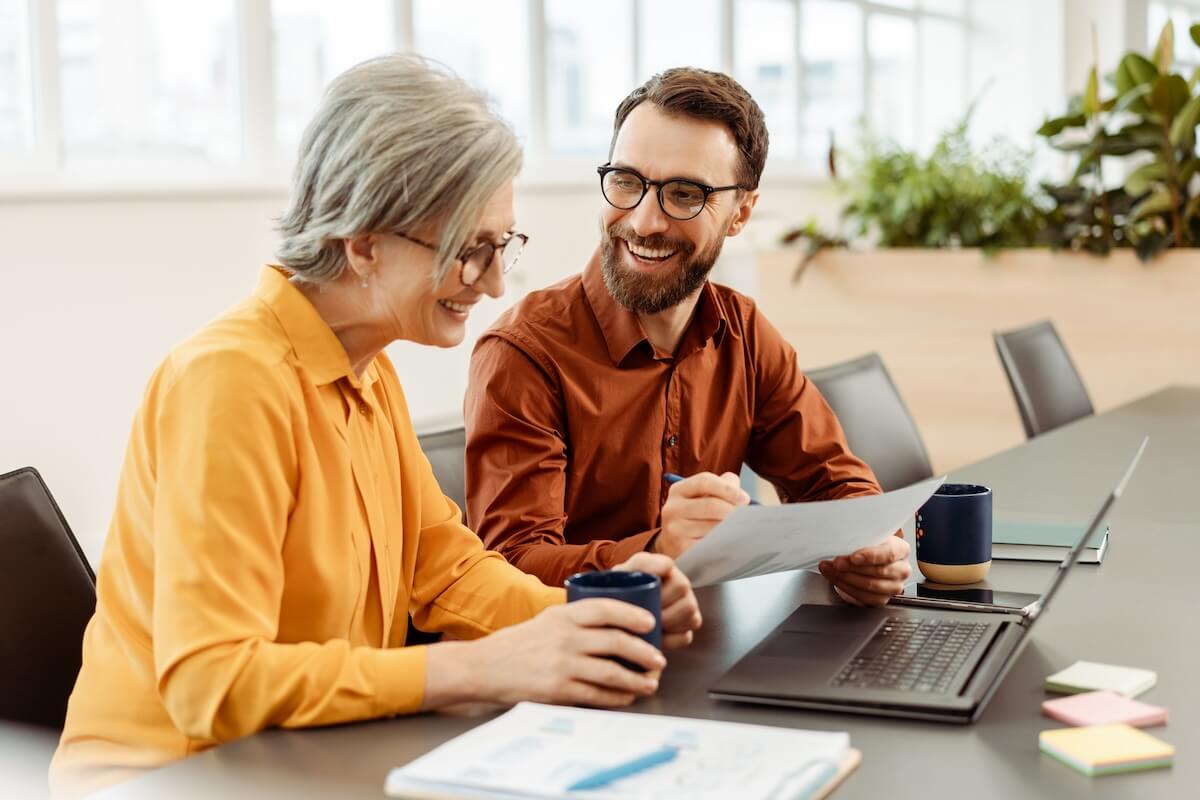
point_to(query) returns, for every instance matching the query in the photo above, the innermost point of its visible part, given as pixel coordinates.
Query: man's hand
(694, 507)
(870, 576)
(680, 611)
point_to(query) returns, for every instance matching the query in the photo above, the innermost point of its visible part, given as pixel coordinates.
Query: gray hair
(399, 142)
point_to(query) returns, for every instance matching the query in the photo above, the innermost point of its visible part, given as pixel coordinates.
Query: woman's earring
(364, 280)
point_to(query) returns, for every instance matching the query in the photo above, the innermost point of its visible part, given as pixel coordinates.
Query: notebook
(1106, 749)
(1039, 539)
(537, 751)
(1103, 708)
(1088, 676)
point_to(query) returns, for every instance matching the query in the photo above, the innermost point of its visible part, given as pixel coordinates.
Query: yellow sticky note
(1105, 749)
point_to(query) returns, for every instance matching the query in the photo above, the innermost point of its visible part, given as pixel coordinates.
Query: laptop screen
(1070, 559)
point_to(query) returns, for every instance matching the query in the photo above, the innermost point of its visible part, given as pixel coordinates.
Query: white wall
(95, 291)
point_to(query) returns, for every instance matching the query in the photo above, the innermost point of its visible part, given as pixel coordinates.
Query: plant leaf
(1134, 71)
(1130, 139)
(1053, 127)
(1195, 32)
(1188, 170)
(1157, 202)
(1169, 96)
(1126, 100)
(1165, 49)
(1091, 94)
(1184, 125)
(1191, 209)
(1145, 176)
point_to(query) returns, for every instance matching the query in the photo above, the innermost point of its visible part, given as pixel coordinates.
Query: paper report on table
(537, 751)
(757, 540)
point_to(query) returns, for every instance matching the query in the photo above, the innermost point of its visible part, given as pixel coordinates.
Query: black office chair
(446, 450)
(877, 424)
(47, 596)
(1047, 387)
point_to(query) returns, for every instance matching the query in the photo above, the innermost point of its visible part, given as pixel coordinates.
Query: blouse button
(674, 440)
(364, 409)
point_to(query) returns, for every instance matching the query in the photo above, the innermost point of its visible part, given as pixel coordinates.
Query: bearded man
(586, 395)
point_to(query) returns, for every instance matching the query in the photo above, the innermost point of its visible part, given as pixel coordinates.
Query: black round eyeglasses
(679, 198)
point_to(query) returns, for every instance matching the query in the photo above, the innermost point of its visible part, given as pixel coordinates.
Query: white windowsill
(567, 176)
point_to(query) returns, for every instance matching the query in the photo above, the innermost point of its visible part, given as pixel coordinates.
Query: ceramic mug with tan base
(954, 534)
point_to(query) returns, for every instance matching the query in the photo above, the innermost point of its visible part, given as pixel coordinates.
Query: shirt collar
(315, 345)
(623, 332)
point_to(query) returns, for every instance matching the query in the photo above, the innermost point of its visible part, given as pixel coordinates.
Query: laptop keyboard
(920, 655)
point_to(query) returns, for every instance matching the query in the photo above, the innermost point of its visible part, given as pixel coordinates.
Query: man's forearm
(553, 563)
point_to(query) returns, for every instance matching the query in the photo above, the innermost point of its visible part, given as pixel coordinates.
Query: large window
(155, 89)
(148, 84)
(311, 42)
(16, 124)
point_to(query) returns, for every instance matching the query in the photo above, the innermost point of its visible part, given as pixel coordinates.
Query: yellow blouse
(276, 523)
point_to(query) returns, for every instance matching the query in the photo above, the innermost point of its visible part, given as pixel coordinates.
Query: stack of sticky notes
(1087, 676)
(1103, 708)
(1106, 749)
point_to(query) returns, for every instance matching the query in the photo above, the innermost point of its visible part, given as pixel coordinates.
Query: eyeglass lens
(476, 263)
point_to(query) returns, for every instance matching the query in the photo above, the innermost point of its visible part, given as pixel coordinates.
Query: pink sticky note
(1103, 708)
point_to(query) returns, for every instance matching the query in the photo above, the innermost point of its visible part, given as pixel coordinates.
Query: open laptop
(922, 663)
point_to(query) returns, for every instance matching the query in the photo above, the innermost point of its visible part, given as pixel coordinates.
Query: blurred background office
(145, 147)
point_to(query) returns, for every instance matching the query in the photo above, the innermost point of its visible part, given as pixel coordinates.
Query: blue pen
(609, 774)
(671, 477)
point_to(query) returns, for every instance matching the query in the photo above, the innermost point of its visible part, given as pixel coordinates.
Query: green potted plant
(1151, 116)
(958, 196)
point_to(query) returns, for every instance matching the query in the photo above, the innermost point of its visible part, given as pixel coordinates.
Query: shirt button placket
(671, 440)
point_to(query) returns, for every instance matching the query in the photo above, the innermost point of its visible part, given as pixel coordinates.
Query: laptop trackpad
(817, 645)
(828, 633)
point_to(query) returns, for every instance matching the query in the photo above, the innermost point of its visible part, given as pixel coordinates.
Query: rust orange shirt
(572, 418)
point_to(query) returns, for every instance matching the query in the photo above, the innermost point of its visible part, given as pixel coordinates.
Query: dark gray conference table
(1139, 608)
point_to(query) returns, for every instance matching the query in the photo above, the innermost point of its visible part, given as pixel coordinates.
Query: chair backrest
(47, 596)
(877, 424)
(446, 450)
(1047, 387)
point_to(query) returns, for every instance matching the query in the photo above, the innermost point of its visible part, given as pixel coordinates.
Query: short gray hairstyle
(399, 142)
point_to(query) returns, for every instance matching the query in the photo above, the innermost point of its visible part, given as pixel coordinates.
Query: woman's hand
(680, 611)
(556, 657)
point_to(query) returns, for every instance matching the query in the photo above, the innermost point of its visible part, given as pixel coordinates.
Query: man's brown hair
(711, 96)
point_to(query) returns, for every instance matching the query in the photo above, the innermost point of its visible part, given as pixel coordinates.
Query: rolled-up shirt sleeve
(461, 588)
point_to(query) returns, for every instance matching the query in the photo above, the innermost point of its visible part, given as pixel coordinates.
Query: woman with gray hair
(276, 522)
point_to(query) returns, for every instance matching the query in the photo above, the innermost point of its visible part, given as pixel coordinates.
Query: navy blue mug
(954, 534)
(639, 588)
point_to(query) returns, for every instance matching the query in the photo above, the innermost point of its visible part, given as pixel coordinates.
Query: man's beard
(650, 293)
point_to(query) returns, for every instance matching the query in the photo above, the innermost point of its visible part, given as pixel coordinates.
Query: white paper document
(537, 751)
(757, 540)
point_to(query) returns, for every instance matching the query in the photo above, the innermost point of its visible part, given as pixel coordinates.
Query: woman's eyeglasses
(475, 261)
